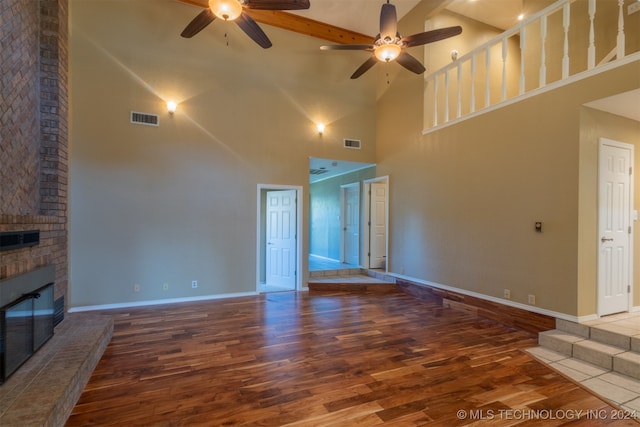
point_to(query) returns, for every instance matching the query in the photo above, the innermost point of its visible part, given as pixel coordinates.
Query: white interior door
(614, 226)
(281, 239)
(378, 225)
(351, 223)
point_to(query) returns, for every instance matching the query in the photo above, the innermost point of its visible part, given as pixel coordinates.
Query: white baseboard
(158, 302)
(502, 301)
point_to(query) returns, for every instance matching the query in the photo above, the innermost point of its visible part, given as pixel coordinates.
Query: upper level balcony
(564, 42)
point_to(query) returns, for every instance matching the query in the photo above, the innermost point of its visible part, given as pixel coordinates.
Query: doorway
(278, 230)
(615, 239)
(350, 223)
(332, 184)
(376, 237)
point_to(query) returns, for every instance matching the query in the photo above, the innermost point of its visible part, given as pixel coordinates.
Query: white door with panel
(350, 223)
(281, 239)
(614, 226)
(378, 225)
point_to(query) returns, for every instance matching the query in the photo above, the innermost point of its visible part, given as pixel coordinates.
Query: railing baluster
(473, 84)
(620, 38)
(504, 68)
(591, 53)
(523, 41)
(459, 105)
(543, 52)
(446, 95)
(435, 100)
(487, 83)
(565, 25)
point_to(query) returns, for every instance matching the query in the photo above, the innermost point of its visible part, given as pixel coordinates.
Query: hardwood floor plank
(310, 359)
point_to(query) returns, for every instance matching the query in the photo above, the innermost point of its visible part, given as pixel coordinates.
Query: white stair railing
(453, 91)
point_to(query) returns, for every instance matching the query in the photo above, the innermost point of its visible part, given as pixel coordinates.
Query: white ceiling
(625, 104)
(363, 16)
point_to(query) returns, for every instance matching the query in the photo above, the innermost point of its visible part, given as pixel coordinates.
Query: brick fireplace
(33, 134)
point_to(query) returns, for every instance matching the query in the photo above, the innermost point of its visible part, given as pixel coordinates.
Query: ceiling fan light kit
(228, 10)
(387, 52)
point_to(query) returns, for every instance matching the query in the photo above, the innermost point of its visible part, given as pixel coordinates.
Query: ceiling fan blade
(430, 36)
(388, 22)
(277, 4)
(364, 67)
(203, 19)
(348, 47)
(253, 30)
(410, 63)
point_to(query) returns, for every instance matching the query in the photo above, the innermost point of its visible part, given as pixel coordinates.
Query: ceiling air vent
(145, 119)
(352, 143)
(317, 171)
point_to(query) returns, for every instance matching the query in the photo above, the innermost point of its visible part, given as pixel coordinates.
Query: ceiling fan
(389, 44)
(233, 10)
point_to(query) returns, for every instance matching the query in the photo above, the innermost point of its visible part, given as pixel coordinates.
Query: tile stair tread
(562, 335)
(630, 356)
(600, 347)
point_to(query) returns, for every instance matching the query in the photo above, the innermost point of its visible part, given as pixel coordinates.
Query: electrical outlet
(136, 288)
(165, 286)
(194, 284)
(531, 299)
(507, 293)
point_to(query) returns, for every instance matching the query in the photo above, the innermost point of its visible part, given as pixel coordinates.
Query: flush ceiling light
(226, 9)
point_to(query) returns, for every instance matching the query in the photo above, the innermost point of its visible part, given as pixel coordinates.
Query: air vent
(145, 119)
(317, 171)
(352, 143)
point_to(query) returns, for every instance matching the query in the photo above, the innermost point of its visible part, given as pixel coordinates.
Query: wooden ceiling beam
(300, 24)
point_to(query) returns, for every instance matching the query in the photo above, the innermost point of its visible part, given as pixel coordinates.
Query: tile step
(609, 357)
(618, 336)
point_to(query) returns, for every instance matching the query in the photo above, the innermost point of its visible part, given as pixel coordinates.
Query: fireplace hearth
(26, 317)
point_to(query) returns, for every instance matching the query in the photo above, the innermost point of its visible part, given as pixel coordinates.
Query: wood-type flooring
(326, 359)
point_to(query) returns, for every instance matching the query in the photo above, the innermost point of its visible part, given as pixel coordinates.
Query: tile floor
(619, 389)
(318, 263)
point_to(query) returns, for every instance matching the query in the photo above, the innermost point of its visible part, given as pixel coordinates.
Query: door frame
(630, 147)
(261, 245)
(343, 205)
(367, 210)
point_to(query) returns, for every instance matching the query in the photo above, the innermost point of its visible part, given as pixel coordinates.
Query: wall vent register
(145, 119)
(352, 143)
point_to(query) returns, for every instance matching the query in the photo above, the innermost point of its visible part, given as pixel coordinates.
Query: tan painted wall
(175, 203)
(464, 199)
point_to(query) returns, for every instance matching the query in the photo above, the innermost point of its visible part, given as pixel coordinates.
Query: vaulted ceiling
(357, 21)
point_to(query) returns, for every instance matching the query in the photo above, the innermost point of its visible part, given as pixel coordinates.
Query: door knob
(604, 239)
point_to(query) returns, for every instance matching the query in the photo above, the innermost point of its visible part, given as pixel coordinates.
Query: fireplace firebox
(26, 317)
